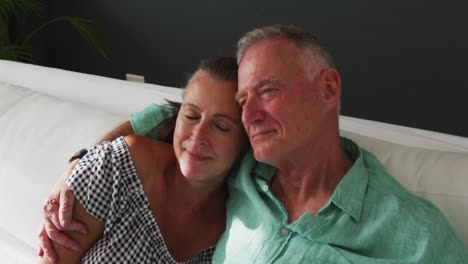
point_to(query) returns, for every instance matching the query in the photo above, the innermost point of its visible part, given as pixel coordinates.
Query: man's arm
(122, 130)
(96, 229)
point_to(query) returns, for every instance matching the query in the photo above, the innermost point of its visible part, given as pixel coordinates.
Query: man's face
(282, 108)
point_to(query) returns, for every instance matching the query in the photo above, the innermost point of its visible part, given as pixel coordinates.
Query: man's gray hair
(302, 39)
(316, 56)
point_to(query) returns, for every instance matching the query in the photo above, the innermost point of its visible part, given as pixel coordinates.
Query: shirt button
(284, 231)
(308, 220)
(265, 188)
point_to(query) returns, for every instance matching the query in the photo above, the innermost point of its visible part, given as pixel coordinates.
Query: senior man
(304, 194)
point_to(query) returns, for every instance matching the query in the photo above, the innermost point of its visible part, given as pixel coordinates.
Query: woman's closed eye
(221, 126)
(191, 117)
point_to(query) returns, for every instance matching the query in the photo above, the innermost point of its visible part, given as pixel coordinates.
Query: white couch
(47, 114)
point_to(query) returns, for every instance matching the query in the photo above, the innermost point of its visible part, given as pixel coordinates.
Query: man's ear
(331, 87)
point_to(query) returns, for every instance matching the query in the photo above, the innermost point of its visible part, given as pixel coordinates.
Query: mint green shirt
(370, 218)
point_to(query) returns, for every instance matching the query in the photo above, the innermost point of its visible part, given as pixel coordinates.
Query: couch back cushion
(439, 176)
(113, 95)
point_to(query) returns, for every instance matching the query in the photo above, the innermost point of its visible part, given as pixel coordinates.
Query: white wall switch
(135, 78)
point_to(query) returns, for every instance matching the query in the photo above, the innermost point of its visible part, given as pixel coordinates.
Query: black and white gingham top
(105, 181)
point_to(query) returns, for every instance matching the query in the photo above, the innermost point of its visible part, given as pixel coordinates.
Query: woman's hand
(57, 212)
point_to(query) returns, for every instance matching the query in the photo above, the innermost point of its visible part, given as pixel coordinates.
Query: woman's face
(209, 134)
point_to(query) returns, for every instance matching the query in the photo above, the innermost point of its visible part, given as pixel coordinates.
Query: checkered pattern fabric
(105, 181)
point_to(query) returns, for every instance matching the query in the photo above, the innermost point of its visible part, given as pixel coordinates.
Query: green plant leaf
(9, 8)
(6, 8)
(16, 53)
(27, 7)
(30, 7)
(16, 8)
(85, 27)
(89, 31)
(4, 32)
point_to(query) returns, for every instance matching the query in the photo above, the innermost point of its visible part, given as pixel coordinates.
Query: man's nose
(252, 112)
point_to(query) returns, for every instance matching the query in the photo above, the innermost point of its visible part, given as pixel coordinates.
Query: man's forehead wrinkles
(257, 86)
(264, 82)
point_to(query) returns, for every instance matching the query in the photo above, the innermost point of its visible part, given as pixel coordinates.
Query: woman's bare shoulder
(149, 156)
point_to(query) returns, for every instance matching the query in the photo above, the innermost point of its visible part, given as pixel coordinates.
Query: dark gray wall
(402, 62)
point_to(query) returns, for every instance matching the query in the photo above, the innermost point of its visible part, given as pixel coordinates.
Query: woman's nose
(200, 132)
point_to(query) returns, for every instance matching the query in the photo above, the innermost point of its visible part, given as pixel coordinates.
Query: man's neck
(306, 183)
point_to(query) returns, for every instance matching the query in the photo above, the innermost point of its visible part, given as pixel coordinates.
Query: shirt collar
(264, 171)
(349, 194)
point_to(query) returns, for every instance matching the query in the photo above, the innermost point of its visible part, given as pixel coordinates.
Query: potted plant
(19, 48)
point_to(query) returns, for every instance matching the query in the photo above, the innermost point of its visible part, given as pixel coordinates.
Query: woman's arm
(58, 218)
(95, 231)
